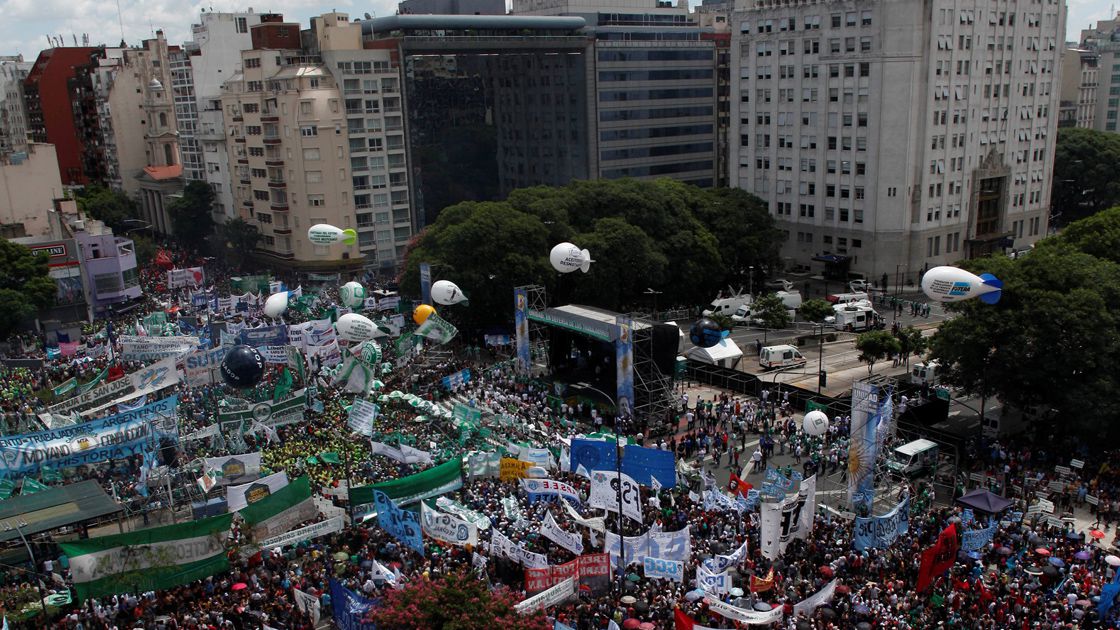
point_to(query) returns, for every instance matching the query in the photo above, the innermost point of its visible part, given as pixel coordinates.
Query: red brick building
(54, 107)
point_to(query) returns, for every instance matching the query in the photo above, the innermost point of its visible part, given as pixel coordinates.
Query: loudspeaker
(666, 341)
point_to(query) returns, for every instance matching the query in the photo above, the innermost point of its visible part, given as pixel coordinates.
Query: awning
(984, 501)
(835, 259)
(57, 507)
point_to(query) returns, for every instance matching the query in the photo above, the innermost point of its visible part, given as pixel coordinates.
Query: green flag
(280, 511)
(295, 362)
(442, 479)
(330, 458)
(66, 386)
(31, 486)
(312, 460)
(283, 386)
(7, 487)
(148, 559)
(50, 475)
(438, 330)
(85, 387)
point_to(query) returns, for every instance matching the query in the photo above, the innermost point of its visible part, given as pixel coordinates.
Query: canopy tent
(726, 354)
(983, 501)
(57, 507)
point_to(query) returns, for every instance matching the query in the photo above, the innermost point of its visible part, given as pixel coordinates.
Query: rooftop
(463, 22)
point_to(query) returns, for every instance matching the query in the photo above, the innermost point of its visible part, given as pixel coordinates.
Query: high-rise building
(285, 130)
(13, 119)
(452, 7)
(892, 137)
(1080, 78)
(59, 115)
(1104, 41)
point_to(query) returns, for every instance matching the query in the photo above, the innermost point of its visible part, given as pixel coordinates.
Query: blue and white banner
(537, 457)
(879, 532)
(203, 366)
(593, 454)
(348, 608)
(675, 546)
(521, 331)
(974, 539)
(719, 583)
(426, 283)
(400, 524)
(720, 563)
(662, 569)
(642, 463)
(447, 528)
(624, 366)
(265, 336)
(634, 547)
(116, 437)
(571, 541)
(548, 488)
(458, 379)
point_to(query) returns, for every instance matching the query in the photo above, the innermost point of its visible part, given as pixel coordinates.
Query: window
(308, 131)
(252, 62)
(313, 177)
(242, 25)
(315, 201)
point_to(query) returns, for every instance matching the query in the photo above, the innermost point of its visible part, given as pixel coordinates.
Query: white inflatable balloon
(950, 284)
(324, 234)
(356, 328)
(566, 258)
(447, 293)
(815, 422)
(352, 294)
(276, 304)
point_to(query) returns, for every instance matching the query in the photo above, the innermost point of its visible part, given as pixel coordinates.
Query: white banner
(189, 277)
(378, 448)
(307, 603)
(662, 569)
(597, 523)
(605, 493)
(722, 563)
(568, 540)
(232, 468)
(538, 456)
(820, 598)
(203, 433)
(719, 583)
(636, 547)
(296, 536)
(415, 455)
(202, 366)
(362, 415)
(143, 381)
(237, 497)
(786, 520)
(274, 355)
(546, 599)
(744, 615)
(143, 349)
(501, 546)
(449, 529)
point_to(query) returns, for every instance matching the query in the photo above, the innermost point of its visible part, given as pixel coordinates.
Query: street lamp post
(34, 565)
(750, 282)
(820, 357)
(618, 472)
(654, 293)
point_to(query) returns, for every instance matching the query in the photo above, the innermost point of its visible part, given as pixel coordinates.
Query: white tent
(724, 354)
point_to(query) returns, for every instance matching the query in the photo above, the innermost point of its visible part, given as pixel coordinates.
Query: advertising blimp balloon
(566, 258)
(323, 234)
(355, 327)
(447, 293)
(276, 304)
(950, 284)
(352, 294)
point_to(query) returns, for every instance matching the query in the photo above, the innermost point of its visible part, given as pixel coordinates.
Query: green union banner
(149, 559)
(433, 482)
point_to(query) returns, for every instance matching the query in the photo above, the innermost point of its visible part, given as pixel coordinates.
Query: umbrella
(646, 626)
(641, 607)
(843, 589)
(1096, 533)
(341, 555)
(1050, 570)
(631, 624)
(828, 614)
(239, 586)
(1082, 555)
(1112, 560)
(1042, 551)
(826, 571)
(736, 592)
(1058, 562)
(975, 555)
(1033, 571)
(627, 599)
(762, 607)
(804, 625)
(693, 595)
(1084, 603)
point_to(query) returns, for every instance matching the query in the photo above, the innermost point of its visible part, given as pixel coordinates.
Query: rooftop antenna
(120, 19)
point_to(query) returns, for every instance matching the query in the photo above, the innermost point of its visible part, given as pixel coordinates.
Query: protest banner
(144, 349)
(573, 542)
(189, 277)
(239, 497)
(606, 493)
(662, 569)
(143, 381)
(975, 539)
(232, 469)
(511, 469)
(203, 366)
(432, 482)
(447, 528)
(362, 415)
(267, 413)
(400, 524)
(549, 488)
(349, 609)
(880, 531)
(546, 599)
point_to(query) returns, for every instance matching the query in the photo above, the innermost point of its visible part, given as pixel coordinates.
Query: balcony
(279, 206)
(245, 181)
(271, 140)
(273, 161)
(240, 139)
(283, 230)
(242, 160)
(237, 118)
(277, 183)
(270, 117)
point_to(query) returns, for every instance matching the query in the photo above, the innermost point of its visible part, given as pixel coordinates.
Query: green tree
(114, 209)
(238, 240)
(632, 254)
(911, 342)
(191, 220)
(876, 345)
(771, 311)
(1085, 180)
(1098, 235)
(744, 229)
(25, 285)
(816, 310)
(724, 321)
(1053, 339)
(452, 601)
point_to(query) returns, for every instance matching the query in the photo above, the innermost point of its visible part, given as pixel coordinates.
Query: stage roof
(54, 508)
(585, 320)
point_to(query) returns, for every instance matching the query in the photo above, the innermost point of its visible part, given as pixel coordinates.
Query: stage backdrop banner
(521, 330)
(624, 366)
(116, 437)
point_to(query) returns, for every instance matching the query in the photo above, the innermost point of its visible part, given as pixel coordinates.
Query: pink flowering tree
(457, 601)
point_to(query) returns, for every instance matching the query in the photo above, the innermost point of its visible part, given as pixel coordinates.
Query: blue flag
(642, 463)
(594, 455)
(400, 524)
(1108, 596)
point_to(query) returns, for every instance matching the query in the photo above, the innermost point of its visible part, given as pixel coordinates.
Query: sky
(27, 23)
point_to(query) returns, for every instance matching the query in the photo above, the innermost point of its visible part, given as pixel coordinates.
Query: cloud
(27, 23)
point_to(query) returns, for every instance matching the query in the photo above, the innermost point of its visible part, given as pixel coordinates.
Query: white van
(728, 305)
(843, 298)
(791, 299)
(742, 315)
(855, 318)
(925, 373)
(780, 356)
(914, 459)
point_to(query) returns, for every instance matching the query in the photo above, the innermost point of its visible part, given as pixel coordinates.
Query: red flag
(163, 259)
(739, 486)
(763, 585)
(939, 558)
(682, 621)
(115, 372)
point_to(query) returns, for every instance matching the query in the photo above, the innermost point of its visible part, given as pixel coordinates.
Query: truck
(856, 318)
(780, 356)
(925, 373)
(914, 459)
(728, 305)
(843, 298)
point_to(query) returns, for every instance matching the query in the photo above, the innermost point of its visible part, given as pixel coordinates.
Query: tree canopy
(816, 310)
(876, 345)
(675, 238)
(1085, 179)
(25, 285)
(1053, 339)
(237, 240)
(112, 208)
(452, 601)
(190, 216)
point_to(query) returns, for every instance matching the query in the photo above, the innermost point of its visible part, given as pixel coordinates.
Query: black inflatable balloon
(705, 333)
(242, 367)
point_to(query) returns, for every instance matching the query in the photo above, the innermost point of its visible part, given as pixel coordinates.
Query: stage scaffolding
(653, 391)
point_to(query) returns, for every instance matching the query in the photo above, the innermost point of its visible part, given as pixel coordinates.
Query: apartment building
(285, 128)
(891, 137)
(29, 184)
(55, 114)
(1080, 80)
(1104, 41)
(13, 120)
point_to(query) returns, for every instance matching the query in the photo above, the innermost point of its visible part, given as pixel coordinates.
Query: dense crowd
(1030, 575)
